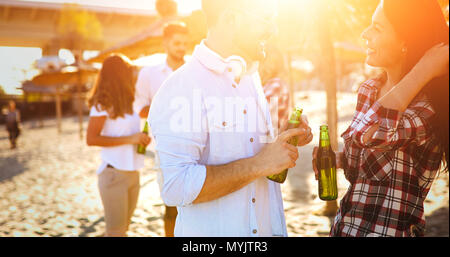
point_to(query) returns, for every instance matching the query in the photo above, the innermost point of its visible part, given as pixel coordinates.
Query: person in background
(115, 127)
(398, 138)
(13, 123)
(273, 78)
(150, 79)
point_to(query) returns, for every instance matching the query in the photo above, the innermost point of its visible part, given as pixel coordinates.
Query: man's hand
(305, 138)
(279, 155)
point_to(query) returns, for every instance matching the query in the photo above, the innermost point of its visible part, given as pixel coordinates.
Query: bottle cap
(324, 127)
(296, 115)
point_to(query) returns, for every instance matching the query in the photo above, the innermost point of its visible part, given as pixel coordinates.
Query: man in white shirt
(150, 79)
(214, 140)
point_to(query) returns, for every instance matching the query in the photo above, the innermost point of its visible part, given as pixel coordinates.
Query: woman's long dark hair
(421, 24)
(114, 88)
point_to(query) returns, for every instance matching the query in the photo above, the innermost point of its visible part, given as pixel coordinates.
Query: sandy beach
(48, 185)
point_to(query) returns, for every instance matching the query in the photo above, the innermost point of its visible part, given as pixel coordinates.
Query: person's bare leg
(169, 220)
(328, 210)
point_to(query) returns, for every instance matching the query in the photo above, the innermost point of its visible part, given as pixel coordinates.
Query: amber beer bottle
(141, 149)
(326, 165)
(294, 122)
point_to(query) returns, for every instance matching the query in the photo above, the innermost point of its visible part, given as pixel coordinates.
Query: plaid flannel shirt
(391, 174)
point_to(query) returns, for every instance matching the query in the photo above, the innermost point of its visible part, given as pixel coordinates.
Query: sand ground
(48, 185)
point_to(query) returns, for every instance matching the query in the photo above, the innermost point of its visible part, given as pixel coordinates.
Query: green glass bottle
(294, 122)
(326, 165)
(141, 149)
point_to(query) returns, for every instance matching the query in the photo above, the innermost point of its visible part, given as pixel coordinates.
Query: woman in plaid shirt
(399, 133)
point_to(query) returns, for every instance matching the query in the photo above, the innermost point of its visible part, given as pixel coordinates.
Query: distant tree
(444, 4)
(346, 21)
(2, 92)
(196, 23)
(166, 8)
(78, 28)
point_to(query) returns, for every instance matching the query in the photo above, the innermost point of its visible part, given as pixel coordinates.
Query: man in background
(150, 79)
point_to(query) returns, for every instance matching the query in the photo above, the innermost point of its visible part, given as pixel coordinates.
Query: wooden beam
(56, 16)
(109, 18)
(132, 21)
(6, 12)
(33, 14)
(58, 109)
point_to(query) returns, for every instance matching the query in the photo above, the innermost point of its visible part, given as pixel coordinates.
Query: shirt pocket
(377, 165)
(225, 138)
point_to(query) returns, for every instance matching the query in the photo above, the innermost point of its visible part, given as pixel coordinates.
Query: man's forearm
(108, 141)
(224, 179)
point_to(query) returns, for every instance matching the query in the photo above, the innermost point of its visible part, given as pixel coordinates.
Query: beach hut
(70, 75)
(146, 43)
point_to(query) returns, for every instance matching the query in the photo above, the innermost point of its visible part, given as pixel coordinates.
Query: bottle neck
(324, 139)
(145, 130)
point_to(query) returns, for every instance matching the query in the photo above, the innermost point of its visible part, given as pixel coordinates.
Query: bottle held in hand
(294, 122)
(141, 149)
(326, 165)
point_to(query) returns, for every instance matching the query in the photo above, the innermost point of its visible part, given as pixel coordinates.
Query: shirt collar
(164, 67)
(213, 61)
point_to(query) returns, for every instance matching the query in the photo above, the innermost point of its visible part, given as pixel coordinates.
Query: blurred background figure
(273, 74)
(115, 127)
(150, 79)
(12, 123)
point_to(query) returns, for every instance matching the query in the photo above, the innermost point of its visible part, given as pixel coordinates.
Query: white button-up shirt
(149, 80)
(203, 115)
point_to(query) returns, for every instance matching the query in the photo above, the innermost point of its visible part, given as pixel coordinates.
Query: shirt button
(245, 111)
(255, 231)
(253, 200)
(251, 139)
(229, 69)
(224, 123)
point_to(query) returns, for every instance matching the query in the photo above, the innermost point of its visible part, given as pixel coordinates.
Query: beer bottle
(294, 122)
(141, 148)
(326, 165)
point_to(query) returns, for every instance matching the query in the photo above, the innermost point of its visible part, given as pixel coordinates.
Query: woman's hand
(434, 62)
(140, 139)
(308, 136)
(339, 160)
